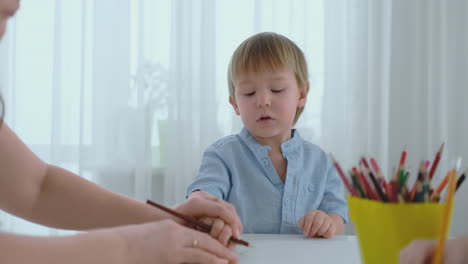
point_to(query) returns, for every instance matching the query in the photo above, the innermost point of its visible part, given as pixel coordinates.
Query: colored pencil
(436, 161)
(447, 211)
(377, 186)
(460, 180)
(194, 222)
(343, 177)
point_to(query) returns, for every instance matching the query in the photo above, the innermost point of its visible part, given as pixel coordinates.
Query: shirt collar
(288, 147)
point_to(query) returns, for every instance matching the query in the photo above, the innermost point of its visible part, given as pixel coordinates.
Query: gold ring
(195, 243)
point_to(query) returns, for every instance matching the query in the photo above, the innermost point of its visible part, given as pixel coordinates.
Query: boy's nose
(263, 100)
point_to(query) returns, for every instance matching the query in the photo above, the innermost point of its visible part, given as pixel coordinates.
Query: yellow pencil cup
(383, 229)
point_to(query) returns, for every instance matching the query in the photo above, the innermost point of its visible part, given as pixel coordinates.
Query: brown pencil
(194, 222)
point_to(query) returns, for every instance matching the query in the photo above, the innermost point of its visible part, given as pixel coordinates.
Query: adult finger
(196, 255)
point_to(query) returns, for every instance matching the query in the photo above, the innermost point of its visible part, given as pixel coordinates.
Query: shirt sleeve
(333, 200)
(213, 176)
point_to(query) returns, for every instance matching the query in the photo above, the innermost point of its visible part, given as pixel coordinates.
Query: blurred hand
(317, 223)
(171, 243)
(418, 251)
(422, 251)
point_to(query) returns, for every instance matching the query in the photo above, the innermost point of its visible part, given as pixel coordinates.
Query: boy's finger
(308, 221)
(301, 223)
(323, 229)
(317, 224)
(331, 231)
(203, 206)
(227, 205)
(226, 233)
(207, 220)
(217, 227)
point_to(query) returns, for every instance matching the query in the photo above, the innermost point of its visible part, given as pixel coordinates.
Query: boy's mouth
(264, 118)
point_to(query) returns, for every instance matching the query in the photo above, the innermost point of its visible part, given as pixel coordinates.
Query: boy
(278, 182)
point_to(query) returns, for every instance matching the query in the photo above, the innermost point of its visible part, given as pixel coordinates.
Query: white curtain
(129, 93)
(396, 74)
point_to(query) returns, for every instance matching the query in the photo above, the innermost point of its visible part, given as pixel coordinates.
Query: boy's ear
(303, 96)
(233, 102)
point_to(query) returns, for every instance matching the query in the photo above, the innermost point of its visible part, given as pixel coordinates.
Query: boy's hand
(317, 223)
(222, 217)
(220, 230)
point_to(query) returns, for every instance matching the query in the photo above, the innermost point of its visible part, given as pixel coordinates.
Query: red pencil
(403, 158)
(436, 161)
(381, 178)
(343, 177)
(377, 185)
(365, 184)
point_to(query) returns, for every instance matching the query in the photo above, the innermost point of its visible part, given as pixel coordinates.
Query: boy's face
(267, 102)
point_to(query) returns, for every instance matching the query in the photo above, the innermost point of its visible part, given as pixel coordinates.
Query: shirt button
(311, 187)
(266, 161)
(286, 202)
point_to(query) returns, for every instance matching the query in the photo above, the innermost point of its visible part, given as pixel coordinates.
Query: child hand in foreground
(317, 223)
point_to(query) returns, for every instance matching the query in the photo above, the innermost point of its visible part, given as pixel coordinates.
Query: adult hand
(418, 251)
(421, 251)
(202, 204)
(171, 243)
(317, 223)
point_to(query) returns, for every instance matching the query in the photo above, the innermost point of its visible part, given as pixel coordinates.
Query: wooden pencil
(447, 211)
(194, 222)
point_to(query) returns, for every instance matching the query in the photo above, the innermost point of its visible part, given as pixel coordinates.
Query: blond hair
(269, 51)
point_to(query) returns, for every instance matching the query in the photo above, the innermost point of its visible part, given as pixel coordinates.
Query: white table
(290, 249)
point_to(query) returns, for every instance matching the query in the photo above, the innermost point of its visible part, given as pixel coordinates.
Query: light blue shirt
(238, 169)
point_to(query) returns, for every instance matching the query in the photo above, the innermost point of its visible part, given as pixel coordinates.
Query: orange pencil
(439, 250)
(442, 185)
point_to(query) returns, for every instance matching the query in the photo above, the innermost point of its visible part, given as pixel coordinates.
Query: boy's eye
(277, 90)
(250, 94)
